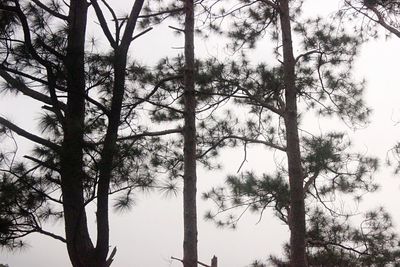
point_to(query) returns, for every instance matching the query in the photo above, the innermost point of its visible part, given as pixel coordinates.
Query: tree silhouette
(91, 145)
(317, 78)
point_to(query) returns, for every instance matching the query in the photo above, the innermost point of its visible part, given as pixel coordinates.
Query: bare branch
(176, 29)
(324, 243)
(271, 4)
(50, 49)
(198, 262)
(26, 31)
(158, 85)
(246, 140)
(131, 23)
(111, 258)
(97, 104)
(379, 17)
(148, 134)
(142, 33)
(21, 87)
(103, 23)
(173, 258)
(315, 51)
(116, 24)
(27, 135)
(50, 11)
(30, 77)
(169, 12)
(57, 237)
(309, 182)
(44, 164)
(382, 21)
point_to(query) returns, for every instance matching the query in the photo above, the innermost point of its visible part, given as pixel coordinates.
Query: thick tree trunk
(79, 245)
(297, 208)
(189, 135)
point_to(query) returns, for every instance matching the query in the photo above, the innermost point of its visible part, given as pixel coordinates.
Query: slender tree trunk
(189, 135)
(107, 156)
(79, 245)
(297, 208)
(110, 142)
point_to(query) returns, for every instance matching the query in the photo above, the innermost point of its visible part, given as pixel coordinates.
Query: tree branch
(26, 31)
(198, 262)
(50, 49)
(45, 164)
(141, 33)
(324, 243)
(382, 21)
(148, 134)
(116, 24)
(21, 87)
(245, 139)
(50, 11)
(111, 258)
(27, 135)
(310, 181)
(171, 11)
(131, 23)
(30, 77)
(103, 23)
(97, 104)
(315, 51)
(57, 237)
(257, 141)
(156, 87)
(271, 4)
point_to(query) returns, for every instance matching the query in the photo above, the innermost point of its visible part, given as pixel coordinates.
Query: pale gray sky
(151, 232)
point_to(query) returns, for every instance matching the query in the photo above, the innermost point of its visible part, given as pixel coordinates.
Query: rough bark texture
(79, 245)
(189, 135)
(297, 209)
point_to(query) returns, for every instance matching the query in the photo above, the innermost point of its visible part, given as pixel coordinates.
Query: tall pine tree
(91, 144)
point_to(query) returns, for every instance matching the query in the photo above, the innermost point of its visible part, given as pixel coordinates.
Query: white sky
(151, 232)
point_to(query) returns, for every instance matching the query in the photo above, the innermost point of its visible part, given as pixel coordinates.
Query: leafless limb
(21, 87)
(49, 10)
(27, 135)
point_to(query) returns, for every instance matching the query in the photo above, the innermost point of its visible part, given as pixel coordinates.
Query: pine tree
(91, 144)
(319, 78)
(190, 258)
(377, 12)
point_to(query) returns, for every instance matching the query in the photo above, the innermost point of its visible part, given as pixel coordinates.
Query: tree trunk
(189, 136)
(214, 262)
(297, 208)
(110, 141)
(79, 245)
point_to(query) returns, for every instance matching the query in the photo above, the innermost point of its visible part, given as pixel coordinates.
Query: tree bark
(79, 244)
(71, 116)
(297, 207)
(189, 135)
(214, 262)
(109, 148)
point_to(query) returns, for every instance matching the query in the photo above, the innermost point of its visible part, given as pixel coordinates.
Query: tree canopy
(111, 126)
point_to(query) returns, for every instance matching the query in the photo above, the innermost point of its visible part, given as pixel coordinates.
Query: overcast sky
(151, 232)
